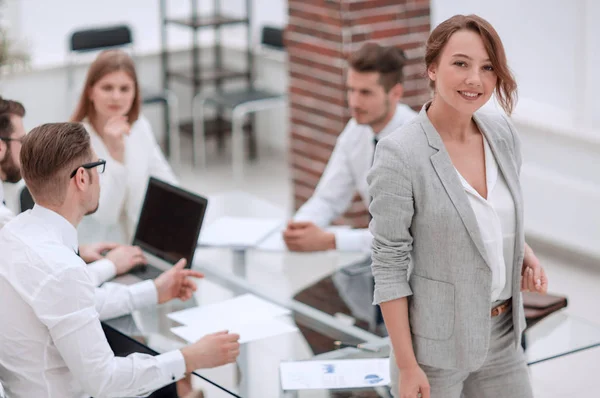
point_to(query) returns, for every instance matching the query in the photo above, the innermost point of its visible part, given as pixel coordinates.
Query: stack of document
(249, 316)
(242, 232)
(335, 374)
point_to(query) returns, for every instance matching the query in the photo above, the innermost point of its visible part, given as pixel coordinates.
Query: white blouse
(123, 185)
(497, 224)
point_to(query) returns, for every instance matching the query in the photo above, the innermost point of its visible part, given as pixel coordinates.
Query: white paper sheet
(274, 242)
(335, 374)
(248, 332)
(244, 309)
(238, 231)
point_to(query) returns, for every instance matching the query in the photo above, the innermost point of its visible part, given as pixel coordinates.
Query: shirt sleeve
(114, 300)
(66, 305)
(392, 209)
(334, 192)
(352, 240)
(101, 271)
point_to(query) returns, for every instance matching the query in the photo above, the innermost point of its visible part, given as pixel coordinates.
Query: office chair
(241, 103)
(25, 200)
(123, 345)
(120, 36)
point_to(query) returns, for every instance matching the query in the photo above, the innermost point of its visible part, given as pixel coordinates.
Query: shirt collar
(1, 192)
(395, 122)
(66, 230)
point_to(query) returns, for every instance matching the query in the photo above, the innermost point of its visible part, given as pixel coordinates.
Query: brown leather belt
(501, 308)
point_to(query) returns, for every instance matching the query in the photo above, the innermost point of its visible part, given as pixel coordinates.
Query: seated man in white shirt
(51, 340)
(374, 84)
(119, 259)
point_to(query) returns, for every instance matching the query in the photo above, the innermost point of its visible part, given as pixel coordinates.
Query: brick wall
(319, 37)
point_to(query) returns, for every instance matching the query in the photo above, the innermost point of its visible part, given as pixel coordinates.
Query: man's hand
(534, 277)
(305, 236)
(125, 258)
(176, 283)
(211, 351)
(94, 252)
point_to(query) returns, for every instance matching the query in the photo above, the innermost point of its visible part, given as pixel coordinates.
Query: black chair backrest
(272, 37)
(101, 38)
(26, 200)
(123, 345)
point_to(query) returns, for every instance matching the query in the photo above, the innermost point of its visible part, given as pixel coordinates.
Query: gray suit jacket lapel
(447, 174)
(504, 157)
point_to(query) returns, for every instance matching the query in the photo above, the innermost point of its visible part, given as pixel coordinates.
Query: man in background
(374, 90)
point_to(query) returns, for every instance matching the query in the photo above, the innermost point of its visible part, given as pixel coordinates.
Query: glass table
(256, 373)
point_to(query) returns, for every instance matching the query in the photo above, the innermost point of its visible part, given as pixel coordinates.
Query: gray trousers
(504, 374)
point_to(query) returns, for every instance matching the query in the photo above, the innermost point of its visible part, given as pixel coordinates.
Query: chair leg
(173, 129)
(198, 131)
(237, 141)
(252, 145)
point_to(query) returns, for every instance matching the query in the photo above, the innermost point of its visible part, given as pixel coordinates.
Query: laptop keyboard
(146, 272)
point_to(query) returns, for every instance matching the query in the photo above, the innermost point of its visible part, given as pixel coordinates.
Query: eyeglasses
(7, 139)
(101, 163)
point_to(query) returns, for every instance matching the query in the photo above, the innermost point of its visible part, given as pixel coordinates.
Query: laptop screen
(170, 222)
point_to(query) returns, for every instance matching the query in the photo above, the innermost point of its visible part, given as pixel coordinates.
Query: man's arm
(113, 300)
(66, 304)
(334, 192)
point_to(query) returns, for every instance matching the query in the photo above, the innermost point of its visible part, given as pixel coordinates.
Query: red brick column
(319, 37)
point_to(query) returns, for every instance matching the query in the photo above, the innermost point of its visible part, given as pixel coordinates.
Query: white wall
(46, 25)
(553, 47)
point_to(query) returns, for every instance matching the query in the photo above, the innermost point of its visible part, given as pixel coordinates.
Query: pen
(340, 344)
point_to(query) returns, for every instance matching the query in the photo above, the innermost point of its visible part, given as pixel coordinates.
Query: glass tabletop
(256, 373)
(558, 335)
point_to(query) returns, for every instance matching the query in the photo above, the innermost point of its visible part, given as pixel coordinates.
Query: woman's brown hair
(107, 62)
(506, 87)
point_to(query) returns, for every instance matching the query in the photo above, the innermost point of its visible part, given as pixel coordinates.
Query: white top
(123, 185)
(346, 174)
(496, 219)
(51, 340)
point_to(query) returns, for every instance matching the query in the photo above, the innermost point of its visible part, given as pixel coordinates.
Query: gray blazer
(423, 221)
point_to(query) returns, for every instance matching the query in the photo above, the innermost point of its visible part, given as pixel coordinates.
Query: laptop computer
(168, 227)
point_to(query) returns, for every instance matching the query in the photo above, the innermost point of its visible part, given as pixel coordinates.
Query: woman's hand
(413, 383)
(534, 277)
(114, 134)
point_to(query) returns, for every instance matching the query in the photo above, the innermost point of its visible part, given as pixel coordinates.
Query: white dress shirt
(123, 185)
(346, 174)
(100, 271)
(496, 220)
(51, 340)
(5, 214)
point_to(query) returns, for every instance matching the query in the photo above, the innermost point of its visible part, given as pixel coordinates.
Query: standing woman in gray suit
(449, 256)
